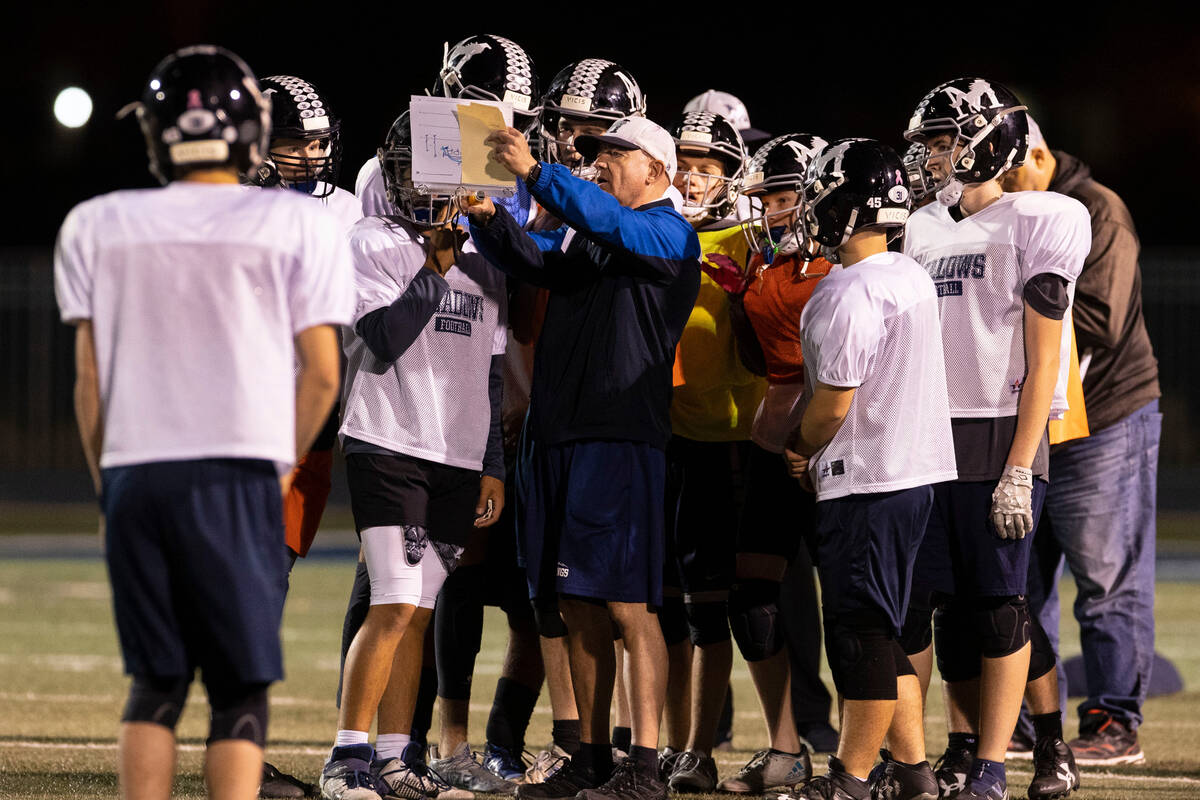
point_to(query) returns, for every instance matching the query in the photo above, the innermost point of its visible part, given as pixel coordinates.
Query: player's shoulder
(1031, 204)
(381, 232)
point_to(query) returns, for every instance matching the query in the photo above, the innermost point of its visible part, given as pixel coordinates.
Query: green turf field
(61, 690)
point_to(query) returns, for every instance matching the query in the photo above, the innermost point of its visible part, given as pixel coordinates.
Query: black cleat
(627, 783)
(891, 780)
(1054, 771)
(951, 772)
(566, 782)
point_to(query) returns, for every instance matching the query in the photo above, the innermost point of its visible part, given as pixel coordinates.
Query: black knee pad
(956, 641)
(239, 711)
(549, 622)
(917, 632)
(157, 700)
(754, 618)
(672, 618)
(1003, 624)
(458, 630)
(1042, 657)
(708, 623)
(862, 655)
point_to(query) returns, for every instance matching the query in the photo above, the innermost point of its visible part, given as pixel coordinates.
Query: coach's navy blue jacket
(622, 283)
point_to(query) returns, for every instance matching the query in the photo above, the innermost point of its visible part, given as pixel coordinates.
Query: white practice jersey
(980, 266)
(196, 292)
(344, 205)
(874, 326)
(370, 190)
(432, 402)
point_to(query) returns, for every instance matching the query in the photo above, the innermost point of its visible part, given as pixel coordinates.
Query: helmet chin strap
(951, 192)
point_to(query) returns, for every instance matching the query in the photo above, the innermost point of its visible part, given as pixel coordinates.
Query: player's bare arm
(87, 399)
(317, 383)
(823, 417)
(1043, 337)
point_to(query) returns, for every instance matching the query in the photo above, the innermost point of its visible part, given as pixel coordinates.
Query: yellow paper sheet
(475, 123)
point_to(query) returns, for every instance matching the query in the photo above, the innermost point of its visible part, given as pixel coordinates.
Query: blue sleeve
(389, 331)
(660, 239)
(535, 258)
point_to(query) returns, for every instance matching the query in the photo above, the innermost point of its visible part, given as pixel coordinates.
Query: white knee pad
(404, 565)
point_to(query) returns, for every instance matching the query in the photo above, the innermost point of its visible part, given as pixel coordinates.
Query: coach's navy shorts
(195, 556)
(590, 519)
(867, 544)
(961, 553)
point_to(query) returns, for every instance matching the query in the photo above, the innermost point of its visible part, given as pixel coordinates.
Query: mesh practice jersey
(980, 266)
(432, 402)
(874, 326)
(196, 292)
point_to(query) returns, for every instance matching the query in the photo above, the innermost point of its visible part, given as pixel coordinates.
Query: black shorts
(505, 585)
(702, 503)
(778, 517)
(961, 553)
(198, 570)
(402, 490)
(867, 544)
(590, 519)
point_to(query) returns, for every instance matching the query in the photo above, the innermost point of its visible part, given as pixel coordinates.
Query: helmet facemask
(414, 204)
(300, 169)
(969, 138)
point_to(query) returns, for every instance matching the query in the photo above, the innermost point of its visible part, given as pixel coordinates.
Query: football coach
(623, 273)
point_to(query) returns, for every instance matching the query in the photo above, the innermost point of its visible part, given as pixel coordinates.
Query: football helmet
(301, 113)
(593, 90)
(920, 181)
(705, 134)
(987, 124)
(414, 204)
(202, 108)
(779, 165)
(487, 67)
(732, 109)
(851, 185)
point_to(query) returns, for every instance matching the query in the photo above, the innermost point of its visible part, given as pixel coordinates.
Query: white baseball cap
(633, 133)
(729, 107)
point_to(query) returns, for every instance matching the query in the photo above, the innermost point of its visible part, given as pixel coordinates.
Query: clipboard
(447, 145)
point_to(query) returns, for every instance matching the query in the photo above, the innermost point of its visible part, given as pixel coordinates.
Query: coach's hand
(442, 248)
(491, 501)
(510, 149)
(1012, 503)
(479, 207)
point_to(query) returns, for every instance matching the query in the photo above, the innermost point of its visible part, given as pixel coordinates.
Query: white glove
(1012, 503)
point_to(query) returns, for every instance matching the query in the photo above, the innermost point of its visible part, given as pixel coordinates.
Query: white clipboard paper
(437, 145)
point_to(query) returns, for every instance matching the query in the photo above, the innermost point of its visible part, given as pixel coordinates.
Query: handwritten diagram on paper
(439, 150)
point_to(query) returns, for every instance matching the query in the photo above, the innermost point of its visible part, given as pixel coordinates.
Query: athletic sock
(391, 745)
(363, 752)
(985, 774)
(423, 711)
(1048, 726)
(964, 741)
(594, 761)
(512, 706)
(566, 733)
(622, 738)
(349, 738)
(645, 760)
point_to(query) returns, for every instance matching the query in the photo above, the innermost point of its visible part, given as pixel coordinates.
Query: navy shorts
(703, 503)
(961, 553)
(404, 490)
(590, 519)
(867, 544)
(778, 517)
(197, 568)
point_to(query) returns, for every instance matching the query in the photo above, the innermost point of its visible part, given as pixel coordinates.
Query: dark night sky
(1124, 94)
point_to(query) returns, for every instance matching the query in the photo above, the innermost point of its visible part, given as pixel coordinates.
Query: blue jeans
(1100, 518)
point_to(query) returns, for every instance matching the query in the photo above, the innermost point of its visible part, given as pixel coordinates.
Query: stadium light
(73, 107)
